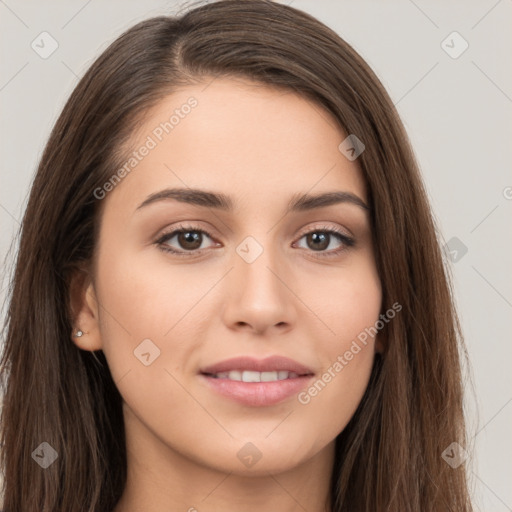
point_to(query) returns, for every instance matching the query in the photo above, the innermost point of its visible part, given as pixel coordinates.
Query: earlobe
(84, 310)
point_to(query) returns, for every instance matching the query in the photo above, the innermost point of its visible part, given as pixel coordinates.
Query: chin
(260, 456)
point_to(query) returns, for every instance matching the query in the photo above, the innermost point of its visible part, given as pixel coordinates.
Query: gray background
(457, 112)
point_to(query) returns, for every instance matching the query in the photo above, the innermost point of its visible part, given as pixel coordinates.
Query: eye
(189, 238)
(190, 241)
(320, 239)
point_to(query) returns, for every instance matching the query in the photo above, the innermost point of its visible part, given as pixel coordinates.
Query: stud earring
(79, 333)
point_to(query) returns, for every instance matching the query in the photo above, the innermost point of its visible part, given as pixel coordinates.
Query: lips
(257, 382)
(250, 364)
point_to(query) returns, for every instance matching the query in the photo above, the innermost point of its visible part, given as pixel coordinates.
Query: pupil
(188, 238)
(322, 238)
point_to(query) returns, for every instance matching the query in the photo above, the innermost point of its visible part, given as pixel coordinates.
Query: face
(287, 285)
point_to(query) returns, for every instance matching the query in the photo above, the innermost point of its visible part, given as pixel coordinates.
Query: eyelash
(346, 240)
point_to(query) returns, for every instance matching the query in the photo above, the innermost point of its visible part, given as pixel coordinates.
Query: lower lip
(257, 394)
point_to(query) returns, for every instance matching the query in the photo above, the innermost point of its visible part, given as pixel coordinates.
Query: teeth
(252, 376)
(248, 376)
(268, 376)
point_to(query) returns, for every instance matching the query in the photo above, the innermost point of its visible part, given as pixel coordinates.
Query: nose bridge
(257, 293)
(256, 264)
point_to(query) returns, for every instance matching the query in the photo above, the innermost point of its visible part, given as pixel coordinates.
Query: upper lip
(269, 364)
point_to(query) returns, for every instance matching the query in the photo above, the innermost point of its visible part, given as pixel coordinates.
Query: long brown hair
(389, 457)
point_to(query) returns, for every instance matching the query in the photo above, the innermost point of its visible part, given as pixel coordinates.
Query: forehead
(257, 141)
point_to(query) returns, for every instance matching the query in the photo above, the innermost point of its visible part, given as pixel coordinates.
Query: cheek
(347, 301)
(350, 307)
(141, 302)
(147, 336)
(148, 295)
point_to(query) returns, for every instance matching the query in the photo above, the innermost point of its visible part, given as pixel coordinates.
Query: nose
(259, 296)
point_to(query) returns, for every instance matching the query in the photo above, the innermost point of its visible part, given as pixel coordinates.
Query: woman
(229, 293)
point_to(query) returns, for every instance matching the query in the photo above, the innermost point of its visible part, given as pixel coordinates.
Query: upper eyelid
(207, 231)
(326, 228)
(183, 227)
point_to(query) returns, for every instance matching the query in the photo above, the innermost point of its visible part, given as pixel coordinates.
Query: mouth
(253, 376)
(257, 383)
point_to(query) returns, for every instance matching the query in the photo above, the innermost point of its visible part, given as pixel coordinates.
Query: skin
(260, 146)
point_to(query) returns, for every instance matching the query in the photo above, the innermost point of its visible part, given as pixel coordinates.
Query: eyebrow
(298, 203)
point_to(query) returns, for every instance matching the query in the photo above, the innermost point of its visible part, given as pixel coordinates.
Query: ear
(84, 311)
